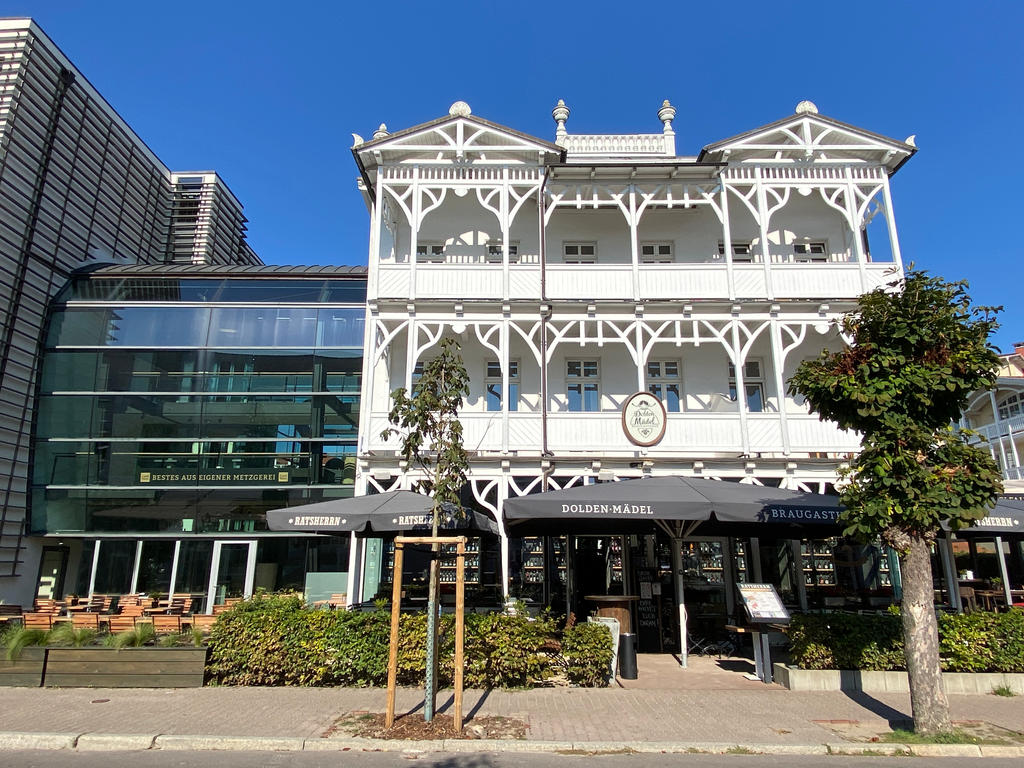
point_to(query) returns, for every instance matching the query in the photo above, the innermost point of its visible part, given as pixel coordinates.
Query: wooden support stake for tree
(396, 607)
(460, 627)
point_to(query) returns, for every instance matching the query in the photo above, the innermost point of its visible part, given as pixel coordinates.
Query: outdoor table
(615, 607)
(990, 599)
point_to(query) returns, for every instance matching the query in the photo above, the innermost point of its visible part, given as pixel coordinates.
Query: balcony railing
(615, 281)
(687, 433)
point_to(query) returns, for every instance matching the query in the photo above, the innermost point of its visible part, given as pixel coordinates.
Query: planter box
(26, 671)
(894, 682)
(125, 667)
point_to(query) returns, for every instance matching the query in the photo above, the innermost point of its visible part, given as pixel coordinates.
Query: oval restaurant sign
(643, 419)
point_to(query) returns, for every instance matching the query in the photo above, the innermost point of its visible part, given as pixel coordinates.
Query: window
(579, 253)
(430, 253)
(656, 253)
(583, 385)
(663, 382)
(494, 253)
(753, 385)
(741, 252)
(492, 385)
(814, 251)
(1010, 407)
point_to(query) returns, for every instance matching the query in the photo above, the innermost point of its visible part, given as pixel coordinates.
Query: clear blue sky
(269, 93)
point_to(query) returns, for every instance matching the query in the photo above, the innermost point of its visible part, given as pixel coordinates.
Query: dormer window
(812, 251)
(494, 251)
(656, 253)
(742, 252)
(579, 253)
(430, 253)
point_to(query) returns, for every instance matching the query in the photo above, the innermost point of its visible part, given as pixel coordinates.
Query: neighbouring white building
(578, 272)
(998, 416)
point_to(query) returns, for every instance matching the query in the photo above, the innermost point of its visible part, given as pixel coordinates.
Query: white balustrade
(601, 144)
(467, 277)
(602, 432)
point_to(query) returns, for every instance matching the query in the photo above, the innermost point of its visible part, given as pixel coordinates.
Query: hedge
(276, 640)
(968, 642)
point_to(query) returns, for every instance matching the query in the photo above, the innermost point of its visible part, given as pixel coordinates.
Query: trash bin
(627, 656)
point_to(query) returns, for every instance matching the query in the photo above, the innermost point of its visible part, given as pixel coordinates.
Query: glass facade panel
(132, 437)
(155, 567)
(263, 327)
(340, 327)
(194, 560)
(129, 326)
(115, 567)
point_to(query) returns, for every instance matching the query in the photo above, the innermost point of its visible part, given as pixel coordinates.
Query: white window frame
(742, 251)
(663, 379)
(572, 252)
(583, 381)
(657, 252)
(493, 377)
(751, 381)
(1010, 406)
(811, 252)
(495, 251)
(429, 252)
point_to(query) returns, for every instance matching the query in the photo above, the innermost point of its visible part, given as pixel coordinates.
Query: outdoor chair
(89, 620)
(203, 621)
(165, 624)
(37, 620)
(969, 599)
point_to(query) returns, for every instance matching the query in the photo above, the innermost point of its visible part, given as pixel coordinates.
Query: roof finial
(381, 132)
(356, 140)
(806, 107)
(666, 114)
(911, 140)
(561, 114)
(460, 109)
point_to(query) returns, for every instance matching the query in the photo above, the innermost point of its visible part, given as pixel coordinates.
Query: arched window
(1011, 406)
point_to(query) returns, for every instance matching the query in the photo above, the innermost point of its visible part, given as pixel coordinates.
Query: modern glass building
(176, 406)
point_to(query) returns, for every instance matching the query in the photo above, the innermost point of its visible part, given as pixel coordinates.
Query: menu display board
(648, 621)
(763, 604)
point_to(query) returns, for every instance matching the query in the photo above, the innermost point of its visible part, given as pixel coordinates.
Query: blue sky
(269, 93)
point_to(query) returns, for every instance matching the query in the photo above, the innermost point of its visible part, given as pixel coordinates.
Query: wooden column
(396, 607)
(460, 629)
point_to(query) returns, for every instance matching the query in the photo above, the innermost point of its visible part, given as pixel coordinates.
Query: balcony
(616, 281)
(601, 433)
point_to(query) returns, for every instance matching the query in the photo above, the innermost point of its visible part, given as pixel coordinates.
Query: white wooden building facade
(577, 272)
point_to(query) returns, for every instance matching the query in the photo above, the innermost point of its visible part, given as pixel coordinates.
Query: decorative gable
(458, 138)
(808, 136)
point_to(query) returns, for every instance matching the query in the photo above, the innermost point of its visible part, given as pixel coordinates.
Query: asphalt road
(158, 759)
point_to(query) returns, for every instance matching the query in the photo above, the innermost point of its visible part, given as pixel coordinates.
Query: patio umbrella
(390, 512)
(671, 500)
(676, 504)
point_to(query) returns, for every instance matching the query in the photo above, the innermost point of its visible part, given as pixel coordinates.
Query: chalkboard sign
(763, 604)
(648, 623)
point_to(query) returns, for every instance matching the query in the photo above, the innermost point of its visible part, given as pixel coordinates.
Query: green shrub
(969, 642)
(65, 633)
(18, 639)
(587, 649)
(847, 641)
(277, 641)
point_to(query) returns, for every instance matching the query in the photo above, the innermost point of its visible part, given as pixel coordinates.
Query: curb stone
(232, 743)
(945, 750)
(114, 742)
(138, 742)
(13, 740)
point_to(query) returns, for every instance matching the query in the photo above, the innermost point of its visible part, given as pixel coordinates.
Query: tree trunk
(433, 598)
(928, 704)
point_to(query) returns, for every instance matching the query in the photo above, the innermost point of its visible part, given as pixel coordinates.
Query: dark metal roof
(224, 270)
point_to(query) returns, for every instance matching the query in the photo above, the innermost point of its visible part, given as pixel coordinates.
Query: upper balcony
(780, 279)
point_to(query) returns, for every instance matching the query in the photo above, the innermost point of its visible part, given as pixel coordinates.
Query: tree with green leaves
(918, 349)
(427, 423)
